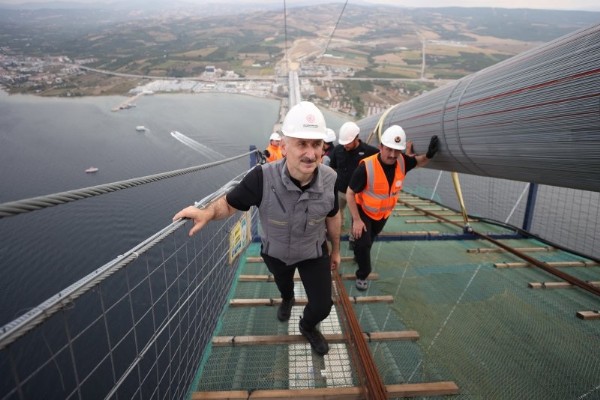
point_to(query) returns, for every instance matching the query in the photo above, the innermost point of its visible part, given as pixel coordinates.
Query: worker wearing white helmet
(374, 190)
(345, 158)
(297, 205)
(273, 150)
(328, 146)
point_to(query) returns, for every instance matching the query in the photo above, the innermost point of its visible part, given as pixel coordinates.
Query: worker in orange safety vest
(273, 151)
(373, 192)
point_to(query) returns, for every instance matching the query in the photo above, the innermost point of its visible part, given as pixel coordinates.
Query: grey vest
(293, 221)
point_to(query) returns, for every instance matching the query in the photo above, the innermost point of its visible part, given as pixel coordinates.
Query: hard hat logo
(394, 137)
(310, 119)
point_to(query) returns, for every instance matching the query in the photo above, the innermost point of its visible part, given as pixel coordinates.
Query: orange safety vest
(274, 153)
(378, 199)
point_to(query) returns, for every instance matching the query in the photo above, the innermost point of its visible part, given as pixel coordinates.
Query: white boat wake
(199, 147)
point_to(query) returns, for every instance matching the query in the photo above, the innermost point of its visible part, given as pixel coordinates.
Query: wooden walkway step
(293, 339)
(521, 249)
(410, 233)
(588, 314)
(557, 285)
(411, 213)
(435, 221)
(303, 301)
(444, 388)
(269, 278)
(260, 259)
(426, 208)
(556, 264)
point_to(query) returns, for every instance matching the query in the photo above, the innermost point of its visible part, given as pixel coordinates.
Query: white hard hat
(330, 136)
(275, 136)
(348, 132)
(304, 121)
(394, 138)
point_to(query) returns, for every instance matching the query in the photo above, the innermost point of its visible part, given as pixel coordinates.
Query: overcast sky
(589, 5)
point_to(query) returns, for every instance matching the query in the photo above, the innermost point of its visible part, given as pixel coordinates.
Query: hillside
(380, 42)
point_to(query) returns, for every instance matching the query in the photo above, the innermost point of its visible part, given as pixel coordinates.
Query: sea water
(47, 143)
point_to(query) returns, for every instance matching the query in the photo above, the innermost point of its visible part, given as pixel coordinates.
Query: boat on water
(141, 128)
(91, 170)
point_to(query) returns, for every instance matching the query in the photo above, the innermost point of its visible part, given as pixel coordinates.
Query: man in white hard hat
(345, 158)
(373, 192)
(328, 146)
(273, 150)
(298, 209)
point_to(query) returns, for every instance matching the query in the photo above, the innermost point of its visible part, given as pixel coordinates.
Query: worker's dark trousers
(362, 245)
(316, 278)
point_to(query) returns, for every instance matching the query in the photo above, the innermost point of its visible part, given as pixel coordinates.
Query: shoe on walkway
(362, 284)
(316, 339)
(285, 309)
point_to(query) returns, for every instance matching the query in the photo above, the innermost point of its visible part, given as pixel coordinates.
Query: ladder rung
(291, 339)
(303, 301)
(423, 389)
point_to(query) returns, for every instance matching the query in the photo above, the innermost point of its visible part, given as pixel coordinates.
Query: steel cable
(12, 208)
(332, 33)
(26, 322)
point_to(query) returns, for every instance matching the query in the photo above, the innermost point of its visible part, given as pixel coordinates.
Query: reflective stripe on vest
(378, 199)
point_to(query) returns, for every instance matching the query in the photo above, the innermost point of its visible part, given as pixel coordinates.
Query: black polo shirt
(250, 190)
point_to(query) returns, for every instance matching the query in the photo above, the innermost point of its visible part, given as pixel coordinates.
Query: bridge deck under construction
(443, 315)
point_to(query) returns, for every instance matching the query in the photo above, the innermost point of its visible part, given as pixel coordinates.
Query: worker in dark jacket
(345, 158)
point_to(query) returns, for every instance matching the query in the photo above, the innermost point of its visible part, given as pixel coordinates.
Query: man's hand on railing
(262, 156)
(218, 209)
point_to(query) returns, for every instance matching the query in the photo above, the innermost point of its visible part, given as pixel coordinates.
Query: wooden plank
(391, 336)
(302, 301)
(557, 285)
(221, 341)
(410, 233)
(429, 207)
(259, 278)
(588, 315)
(434, 221)
(260, 302)
(410, 213)
(549, 285)
(372, 299)
(335, 393)
(407, 213)
(373, 276)
(269, 278)
(521, 249)
(556, 264)
(254, 260)
(423, 389)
